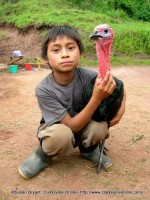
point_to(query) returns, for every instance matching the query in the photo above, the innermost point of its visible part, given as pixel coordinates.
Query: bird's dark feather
(110, 106)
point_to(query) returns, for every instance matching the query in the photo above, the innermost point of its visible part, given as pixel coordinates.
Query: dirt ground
(73, 177)
(70, 177)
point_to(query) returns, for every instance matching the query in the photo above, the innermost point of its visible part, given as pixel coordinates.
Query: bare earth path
(73, 177)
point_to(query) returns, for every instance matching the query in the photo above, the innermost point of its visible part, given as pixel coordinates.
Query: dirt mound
(29, 44)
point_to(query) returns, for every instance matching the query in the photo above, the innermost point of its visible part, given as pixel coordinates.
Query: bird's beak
(104, 33)
(95, 35)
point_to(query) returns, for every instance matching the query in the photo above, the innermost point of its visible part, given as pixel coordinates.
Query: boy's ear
(45, 61)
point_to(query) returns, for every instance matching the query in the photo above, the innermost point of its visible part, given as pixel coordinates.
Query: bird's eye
(96, 32)
(106, 31)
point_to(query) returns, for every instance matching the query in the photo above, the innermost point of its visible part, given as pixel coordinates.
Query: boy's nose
(64, 53)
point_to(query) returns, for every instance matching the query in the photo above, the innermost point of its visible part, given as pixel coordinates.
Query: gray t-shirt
(56, 101)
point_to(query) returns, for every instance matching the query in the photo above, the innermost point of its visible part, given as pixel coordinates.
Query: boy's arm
(100, 92)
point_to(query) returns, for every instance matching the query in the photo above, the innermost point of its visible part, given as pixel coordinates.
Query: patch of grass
(70, 166)
(116, 61)
(144, 161)
(134, 198)
(132, 37)
(64, 167)
(135, 139)
(3, 36)
(124, 61)
(105, 182)
(88, 62)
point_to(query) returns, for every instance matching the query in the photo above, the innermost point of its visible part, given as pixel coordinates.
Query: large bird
(103, 36)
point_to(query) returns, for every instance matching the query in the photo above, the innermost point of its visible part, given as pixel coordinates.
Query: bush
(136, 9)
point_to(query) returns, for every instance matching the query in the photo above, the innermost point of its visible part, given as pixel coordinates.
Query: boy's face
(63, 54)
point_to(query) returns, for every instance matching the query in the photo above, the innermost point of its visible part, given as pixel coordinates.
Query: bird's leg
(101, 157)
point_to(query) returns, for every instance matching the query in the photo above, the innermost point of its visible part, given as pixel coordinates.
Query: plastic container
(28, 66)
(17, 53)
(13, 69)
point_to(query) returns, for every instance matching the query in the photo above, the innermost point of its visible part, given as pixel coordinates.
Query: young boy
(64, 126)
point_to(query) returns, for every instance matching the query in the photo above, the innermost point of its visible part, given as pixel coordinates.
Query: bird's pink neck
(103, 55)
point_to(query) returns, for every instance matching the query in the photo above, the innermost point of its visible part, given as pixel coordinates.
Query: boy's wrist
(95, 102)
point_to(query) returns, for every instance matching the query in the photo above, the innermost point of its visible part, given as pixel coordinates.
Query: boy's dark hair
(61, 31)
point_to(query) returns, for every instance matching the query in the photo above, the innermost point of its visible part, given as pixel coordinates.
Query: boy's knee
(94, 133)
(100, 129)
(60, 140)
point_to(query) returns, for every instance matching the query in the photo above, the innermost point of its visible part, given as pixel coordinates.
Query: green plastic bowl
(13, 68)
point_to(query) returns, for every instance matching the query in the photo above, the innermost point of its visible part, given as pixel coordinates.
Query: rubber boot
(93, 153)
(34, 164)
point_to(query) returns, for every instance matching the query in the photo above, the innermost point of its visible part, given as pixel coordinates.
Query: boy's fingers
(106, 78)
(111, 84)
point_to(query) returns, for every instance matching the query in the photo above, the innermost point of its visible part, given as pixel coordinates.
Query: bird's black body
(110, 106)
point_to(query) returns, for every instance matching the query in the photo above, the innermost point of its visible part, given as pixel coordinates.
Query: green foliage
(136, 9)
(131, 37)
(134, 37)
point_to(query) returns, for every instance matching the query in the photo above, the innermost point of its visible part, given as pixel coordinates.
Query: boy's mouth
(66, 63)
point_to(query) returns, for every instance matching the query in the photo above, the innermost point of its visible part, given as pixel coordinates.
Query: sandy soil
(73, 177)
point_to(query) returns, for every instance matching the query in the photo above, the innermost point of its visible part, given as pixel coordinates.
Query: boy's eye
(71, 47)
(55, 50)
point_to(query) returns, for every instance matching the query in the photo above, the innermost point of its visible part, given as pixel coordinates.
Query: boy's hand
(104, 89)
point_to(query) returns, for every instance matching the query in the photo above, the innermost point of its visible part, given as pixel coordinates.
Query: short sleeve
(52, 110)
